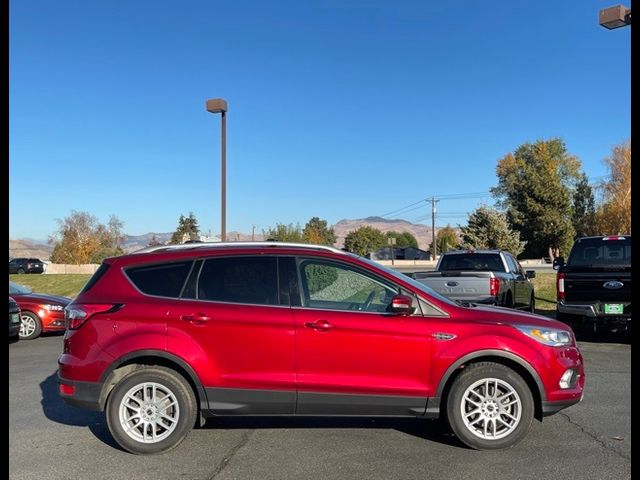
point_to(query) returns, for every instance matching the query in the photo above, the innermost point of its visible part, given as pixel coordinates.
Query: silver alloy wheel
(149, 412)
(491, 409)
(27, 325)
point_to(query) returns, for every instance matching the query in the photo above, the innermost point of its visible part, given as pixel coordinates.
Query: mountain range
(422, 233)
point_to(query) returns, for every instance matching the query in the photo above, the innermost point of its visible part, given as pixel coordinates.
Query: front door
(352, 356)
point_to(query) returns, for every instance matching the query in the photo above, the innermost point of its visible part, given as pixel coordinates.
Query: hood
(509, 316)
(43, 298)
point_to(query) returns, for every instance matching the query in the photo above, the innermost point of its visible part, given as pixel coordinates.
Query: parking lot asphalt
(50, 440)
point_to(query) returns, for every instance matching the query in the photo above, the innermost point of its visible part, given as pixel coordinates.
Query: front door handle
(195, 318)
(319, 325)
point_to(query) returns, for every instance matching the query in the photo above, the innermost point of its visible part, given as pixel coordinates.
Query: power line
(449, 196)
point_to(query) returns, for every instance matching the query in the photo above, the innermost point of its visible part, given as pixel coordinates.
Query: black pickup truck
(594, 285)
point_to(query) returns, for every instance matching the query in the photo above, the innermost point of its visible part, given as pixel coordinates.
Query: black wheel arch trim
(491, 353)
(193, 377)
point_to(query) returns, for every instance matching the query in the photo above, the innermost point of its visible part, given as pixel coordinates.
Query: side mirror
(558, 262)
(402, 305)
(531, 273)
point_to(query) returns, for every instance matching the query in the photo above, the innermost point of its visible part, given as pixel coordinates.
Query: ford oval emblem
(613, 285)
(452, 284)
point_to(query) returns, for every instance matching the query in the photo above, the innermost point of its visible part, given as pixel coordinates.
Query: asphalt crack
(229, 456)
(595, 437)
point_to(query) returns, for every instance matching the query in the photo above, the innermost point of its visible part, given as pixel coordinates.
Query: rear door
(241, 334)
(352, 357)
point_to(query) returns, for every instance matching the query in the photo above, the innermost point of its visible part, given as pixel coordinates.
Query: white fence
(53, 268)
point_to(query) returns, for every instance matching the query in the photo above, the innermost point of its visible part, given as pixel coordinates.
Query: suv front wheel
(151, 410)
(489, 406)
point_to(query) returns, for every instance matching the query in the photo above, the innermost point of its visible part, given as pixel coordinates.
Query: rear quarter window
(162, 280)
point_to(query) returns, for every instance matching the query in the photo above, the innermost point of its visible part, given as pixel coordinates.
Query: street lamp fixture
(219, 105)
(615, 17)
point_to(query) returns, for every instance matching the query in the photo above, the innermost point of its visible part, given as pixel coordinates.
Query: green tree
(317, 232)
(446, 239)
(188, 229)
(81, 239)
(364, 240)
(535, 184)
(403, 239)
(284, 233)
(614, 215)
(488, 228)
(584, 209)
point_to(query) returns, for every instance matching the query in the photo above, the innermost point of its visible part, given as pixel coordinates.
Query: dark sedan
(26, 265)
(39, 312)
(14, 319)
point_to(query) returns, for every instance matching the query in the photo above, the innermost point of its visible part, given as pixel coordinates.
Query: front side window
(252, 280)
(333, 286)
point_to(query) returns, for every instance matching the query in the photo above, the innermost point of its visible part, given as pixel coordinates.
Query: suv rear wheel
(490, 406)
(151, 410)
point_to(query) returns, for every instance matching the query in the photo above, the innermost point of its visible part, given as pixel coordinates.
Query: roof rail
(214, 245)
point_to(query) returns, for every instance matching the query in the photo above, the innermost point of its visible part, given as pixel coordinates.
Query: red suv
(165, 337)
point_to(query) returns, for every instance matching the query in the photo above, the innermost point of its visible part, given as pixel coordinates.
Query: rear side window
(163, 280)
(481, 262)
(252, 280)
(102, 269)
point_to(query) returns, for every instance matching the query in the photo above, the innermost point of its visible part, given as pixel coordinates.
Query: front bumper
(551, 408)
(14, 329)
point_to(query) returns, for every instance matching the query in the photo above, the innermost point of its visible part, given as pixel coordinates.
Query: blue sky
(337, 108)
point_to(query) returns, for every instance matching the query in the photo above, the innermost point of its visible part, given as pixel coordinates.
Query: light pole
(615, 17)
(219, 105)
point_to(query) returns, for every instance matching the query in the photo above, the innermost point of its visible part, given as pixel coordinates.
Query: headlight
(53, 308)
(547, 336)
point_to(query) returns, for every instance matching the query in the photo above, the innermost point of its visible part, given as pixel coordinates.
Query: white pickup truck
(490, 277)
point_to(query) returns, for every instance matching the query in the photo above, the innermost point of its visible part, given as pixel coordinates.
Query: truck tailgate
(457, 285)
(594, 285)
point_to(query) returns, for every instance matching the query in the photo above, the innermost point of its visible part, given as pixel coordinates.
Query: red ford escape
(165, 337)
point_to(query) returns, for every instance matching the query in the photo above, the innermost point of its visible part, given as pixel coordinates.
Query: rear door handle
(195, 318)
(319, 325)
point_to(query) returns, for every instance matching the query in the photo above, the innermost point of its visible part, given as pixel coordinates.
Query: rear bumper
(592, 310)
(85, 394)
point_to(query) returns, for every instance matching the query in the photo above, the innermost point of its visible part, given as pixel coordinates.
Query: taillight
(77, 313)
(560, 286)
(494, 286)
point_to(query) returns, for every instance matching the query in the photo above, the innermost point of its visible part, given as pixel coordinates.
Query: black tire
(508, 300)
(20, 271)
(167, 380)
(474, 374)
(30, 323)
(532, 303)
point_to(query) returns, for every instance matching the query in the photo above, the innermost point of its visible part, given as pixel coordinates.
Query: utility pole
(253, 233)
(433, 227)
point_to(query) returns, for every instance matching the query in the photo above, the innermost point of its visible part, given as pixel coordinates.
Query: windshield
(598, 252)
(15, 289)
(417, 285)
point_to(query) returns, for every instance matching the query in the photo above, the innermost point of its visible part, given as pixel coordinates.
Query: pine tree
(488, 228)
